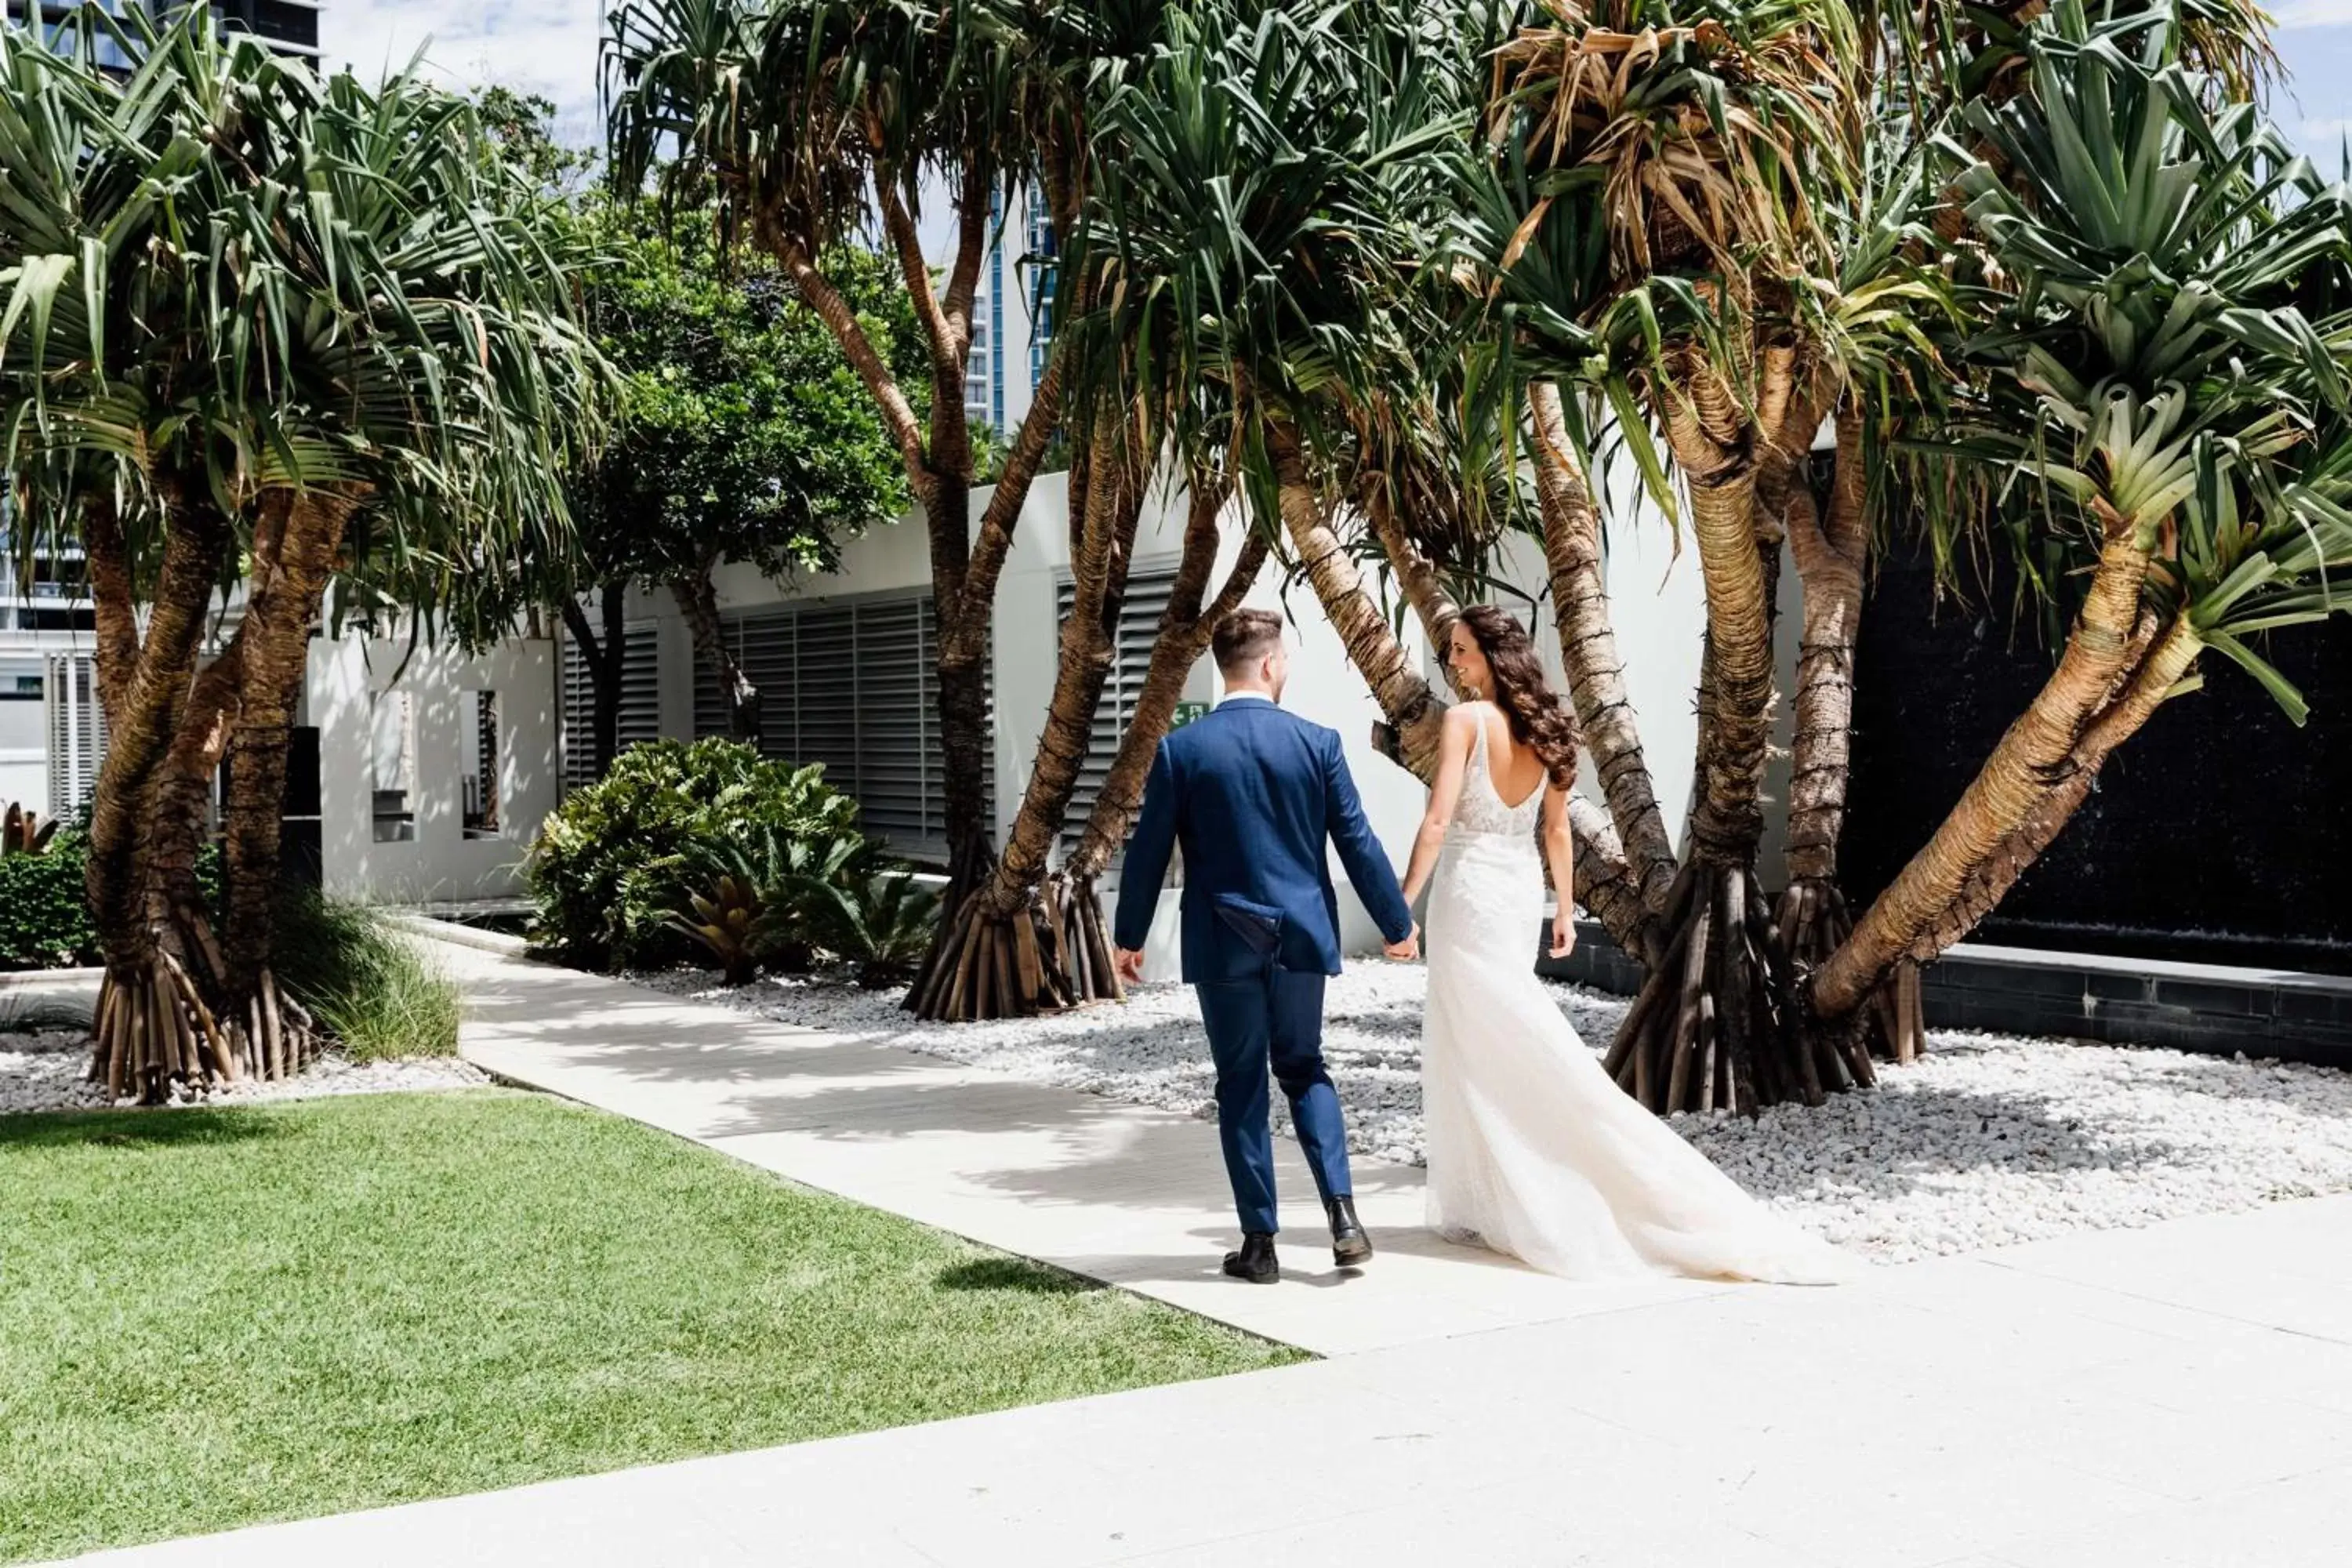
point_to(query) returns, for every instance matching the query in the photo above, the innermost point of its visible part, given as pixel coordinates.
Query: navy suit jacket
(1253, 793)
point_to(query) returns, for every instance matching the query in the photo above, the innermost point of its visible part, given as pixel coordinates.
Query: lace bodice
(1481, 809)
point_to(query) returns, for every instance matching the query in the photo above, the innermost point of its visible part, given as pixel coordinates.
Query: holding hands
(1408, 950)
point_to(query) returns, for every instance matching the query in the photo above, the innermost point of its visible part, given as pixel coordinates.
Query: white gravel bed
(1990, 1140)
(45, 1069)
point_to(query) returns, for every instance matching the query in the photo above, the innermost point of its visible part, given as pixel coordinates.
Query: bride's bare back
(1515, 769)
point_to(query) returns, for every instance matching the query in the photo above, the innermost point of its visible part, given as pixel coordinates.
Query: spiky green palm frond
(225, 277)
(2148, 364)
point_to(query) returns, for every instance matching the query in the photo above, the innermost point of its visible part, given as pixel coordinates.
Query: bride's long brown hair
(1536, 717)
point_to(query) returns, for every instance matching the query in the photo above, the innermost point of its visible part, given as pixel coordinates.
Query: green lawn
(210, 1318)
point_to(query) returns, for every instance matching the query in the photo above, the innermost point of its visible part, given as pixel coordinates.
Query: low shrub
(45, 919)
(781, 899)
(44, 911)
(614, 866)
(880, 925)
(365, 983)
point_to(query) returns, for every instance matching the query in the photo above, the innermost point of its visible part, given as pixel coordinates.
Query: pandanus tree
(258, 327)
(1253, 244)
(1652, 227)
(2160, 389)
(809, 121)
(1267, 219)
(1740, 1010)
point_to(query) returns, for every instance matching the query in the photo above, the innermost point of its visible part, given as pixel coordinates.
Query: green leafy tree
(741, 433)
(744, 433)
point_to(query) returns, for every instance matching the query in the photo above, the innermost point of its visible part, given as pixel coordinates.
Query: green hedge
(617, 859)
(44, 905)
(44, 913)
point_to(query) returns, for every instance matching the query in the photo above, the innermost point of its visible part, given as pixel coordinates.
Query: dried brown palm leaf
(1715, 136)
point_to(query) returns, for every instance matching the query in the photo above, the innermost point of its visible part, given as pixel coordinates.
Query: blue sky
(2315, 105)
(550, 47)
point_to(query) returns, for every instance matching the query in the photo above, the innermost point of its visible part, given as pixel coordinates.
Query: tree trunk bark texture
(1714, 1026)
(698, 601)
(275, 639)
(175, 1008)
(1812, 917)
(153, 1026)
(1588, 655)
(1034, 946)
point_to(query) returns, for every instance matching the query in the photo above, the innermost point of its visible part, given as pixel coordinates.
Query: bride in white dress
(1532, 1150)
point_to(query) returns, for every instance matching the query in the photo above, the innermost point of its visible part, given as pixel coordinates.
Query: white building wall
(24, 754)
(441, 862)
(1324, 686)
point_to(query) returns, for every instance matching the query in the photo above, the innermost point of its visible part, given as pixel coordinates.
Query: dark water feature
(2221, 833)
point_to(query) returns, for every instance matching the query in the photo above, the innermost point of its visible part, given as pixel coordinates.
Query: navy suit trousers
(1273, 1021)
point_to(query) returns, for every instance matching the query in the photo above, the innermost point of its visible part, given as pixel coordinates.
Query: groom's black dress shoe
(1256, 1262)
(1350, 1247)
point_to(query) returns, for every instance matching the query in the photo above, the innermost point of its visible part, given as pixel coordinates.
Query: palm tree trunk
(1425, 587)
(1186, 626)
(1587, 646)
(1812, 917)
(935, 449)
(152, 1027)
(1413, 714)
(1729, 822)
(1913, 917)
(1713, 1029)
(1017, 931)
(2168, 662)
(274, 640)
(698, 601)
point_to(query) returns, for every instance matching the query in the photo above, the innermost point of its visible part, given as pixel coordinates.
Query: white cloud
(2311, 12)
(546, 47)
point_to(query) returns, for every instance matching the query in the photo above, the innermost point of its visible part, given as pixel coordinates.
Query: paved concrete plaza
(2180, 1396)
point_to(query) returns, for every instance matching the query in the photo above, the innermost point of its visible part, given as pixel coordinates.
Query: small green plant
(366, 983)
(728, 922)
(778, 899)
(615, 867)
(22, 831)
(755, 909)
(882, 925)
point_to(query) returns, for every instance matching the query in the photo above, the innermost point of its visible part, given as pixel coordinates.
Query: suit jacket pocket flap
(1259, 925)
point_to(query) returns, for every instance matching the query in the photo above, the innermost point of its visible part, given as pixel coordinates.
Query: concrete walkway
(2180, 1395)
(1118, 1191)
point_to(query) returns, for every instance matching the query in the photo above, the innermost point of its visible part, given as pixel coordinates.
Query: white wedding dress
(1532, 1150)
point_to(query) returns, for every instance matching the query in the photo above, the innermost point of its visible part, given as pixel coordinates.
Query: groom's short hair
(1243, 638)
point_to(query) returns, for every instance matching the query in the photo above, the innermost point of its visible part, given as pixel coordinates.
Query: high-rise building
(1012, 317)
(293, 26)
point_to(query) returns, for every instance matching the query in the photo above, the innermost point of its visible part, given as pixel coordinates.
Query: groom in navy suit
(1252, 793)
